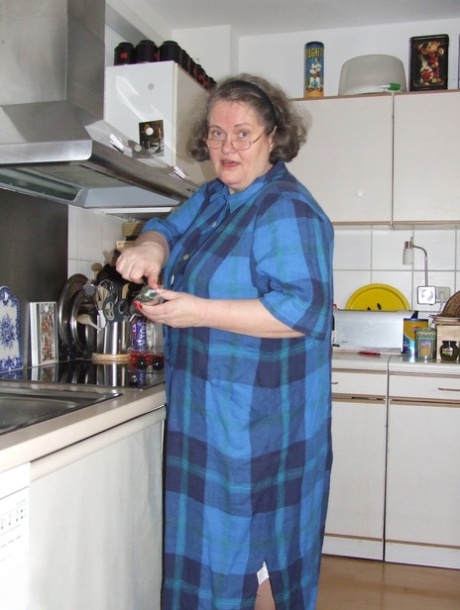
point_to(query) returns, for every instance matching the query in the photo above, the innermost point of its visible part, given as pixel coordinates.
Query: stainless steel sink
(20, 407)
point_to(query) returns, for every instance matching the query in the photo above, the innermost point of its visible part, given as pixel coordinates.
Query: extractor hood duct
(54, 142)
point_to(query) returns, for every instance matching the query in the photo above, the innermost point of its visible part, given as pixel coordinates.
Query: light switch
(426, 295)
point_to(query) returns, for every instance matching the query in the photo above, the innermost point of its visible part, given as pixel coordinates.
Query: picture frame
(429, 57)
(43, 333)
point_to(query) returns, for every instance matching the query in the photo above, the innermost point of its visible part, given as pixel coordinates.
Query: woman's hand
(145, 259)
(179, 309)
(244, 316)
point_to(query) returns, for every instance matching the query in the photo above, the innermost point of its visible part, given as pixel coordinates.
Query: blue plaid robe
(248, 448)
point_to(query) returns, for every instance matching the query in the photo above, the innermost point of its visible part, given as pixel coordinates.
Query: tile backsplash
(373, 255)
(92, 239)
(362, 256)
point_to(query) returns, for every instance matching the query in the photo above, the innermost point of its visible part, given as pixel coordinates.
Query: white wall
(219, 59)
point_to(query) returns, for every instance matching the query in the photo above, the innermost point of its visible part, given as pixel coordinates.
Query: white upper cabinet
(427, 157)
(158, 95)
(347, 160)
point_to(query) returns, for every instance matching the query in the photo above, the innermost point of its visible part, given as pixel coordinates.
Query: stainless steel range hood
(54, 142)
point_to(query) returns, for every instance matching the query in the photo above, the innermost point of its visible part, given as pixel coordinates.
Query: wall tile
(387, 249)
(345, 284)
(440, 248)
(352, 249)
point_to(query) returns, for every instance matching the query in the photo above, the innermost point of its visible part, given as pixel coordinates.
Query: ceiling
(254, 17)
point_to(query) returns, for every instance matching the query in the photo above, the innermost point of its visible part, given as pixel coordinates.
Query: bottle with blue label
(314, 69)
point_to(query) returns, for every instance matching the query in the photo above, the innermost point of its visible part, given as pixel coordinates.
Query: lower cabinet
(395, 484)
(423, 478)
(355, 519)
(95, 521)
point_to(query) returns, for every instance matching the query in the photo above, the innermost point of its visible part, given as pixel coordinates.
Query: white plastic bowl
(371, 74)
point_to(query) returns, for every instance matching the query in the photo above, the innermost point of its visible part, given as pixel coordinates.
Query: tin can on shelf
(429, 56)
(314, 69)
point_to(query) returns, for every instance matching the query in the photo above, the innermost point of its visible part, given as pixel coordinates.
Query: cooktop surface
(86, 372)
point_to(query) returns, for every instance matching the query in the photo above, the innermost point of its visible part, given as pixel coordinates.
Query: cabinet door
(95, 521)
(423, 484)
(347, 160)
(426, 157)
(354, 525)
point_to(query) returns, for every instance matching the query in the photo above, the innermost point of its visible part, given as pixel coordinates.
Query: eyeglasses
(217, 139)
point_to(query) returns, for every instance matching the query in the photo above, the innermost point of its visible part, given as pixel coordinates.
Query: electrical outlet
(442, 294)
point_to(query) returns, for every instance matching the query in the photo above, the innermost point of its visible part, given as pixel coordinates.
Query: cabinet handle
(449, 389)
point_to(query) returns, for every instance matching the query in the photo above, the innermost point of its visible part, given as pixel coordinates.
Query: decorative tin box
(428, 62)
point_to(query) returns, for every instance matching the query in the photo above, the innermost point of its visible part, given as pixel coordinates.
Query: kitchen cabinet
(366, 169)
(423, 480)
(355, 518)
(426, 157)
(156, 92)
(347, 160)
(95, 521)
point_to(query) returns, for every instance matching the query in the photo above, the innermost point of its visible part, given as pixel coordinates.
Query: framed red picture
(429, 56)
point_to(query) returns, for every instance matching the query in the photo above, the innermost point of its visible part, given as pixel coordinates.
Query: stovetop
(86, 372)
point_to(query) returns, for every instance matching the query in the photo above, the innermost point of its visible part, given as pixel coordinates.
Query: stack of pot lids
(372, 74)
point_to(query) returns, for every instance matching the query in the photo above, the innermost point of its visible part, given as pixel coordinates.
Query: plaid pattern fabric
(248, 448)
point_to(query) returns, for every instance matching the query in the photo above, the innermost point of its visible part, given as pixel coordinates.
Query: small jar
(146, 51)
(449, 351)
(170, 51)
(124, 54)
(425, 344)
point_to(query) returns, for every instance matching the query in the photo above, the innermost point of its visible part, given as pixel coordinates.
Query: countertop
(392, 362)
(39, 440)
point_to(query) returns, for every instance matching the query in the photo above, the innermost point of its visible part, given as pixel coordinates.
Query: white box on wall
(152, 92)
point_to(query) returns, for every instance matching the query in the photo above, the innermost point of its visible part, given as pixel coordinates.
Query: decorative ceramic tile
(10, 331)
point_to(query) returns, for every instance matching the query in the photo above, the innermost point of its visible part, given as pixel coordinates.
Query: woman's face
(238, 121)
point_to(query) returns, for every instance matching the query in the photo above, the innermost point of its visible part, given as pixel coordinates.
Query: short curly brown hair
(276, 111)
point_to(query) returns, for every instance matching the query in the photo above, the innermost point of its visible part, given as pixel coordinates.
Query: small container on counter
(139, 334)
(425, 344)
(411, 326)
(449, 351)
(146, 351)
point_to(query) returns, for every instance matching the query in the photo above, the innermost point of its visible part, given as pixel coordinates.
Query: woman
(247, 312)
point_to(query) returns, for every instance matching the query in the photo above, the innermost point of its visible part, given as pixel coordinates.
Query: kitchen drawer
(425, 387)
(353, 384)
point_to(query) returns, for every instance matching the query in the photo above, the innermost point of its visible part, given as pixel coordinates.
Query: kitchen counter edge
(39, 440)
